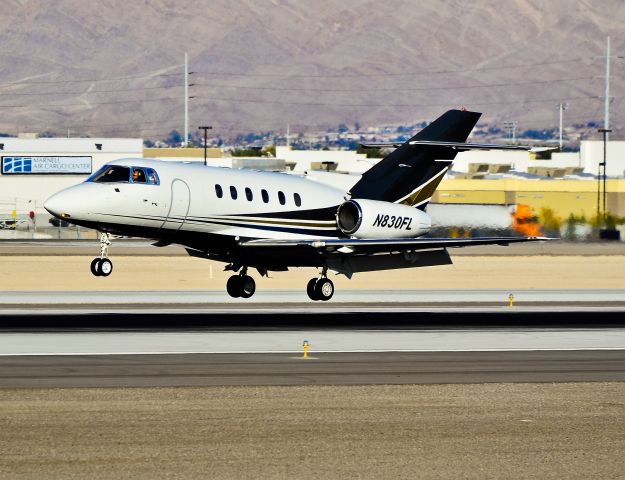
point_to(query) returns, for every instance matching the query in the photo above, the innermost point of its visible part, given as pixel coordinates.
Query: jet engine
(377, 219)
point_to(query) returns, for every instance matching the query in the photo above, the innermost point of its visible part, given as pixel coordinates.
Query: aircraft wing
(385, 245)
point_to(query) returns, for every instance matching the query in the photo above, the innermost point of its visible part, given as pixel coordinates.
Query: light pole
(206, 129)
(185, 142)
(605, 132)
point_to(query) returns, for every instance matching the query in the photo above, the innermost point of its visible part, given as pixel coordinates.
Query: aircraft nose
(59, 204)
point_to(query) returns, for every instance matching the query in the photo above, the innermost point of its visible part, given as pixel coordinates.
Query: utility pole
(562, 106)
(185, 142)
(606, 115)
(288, 135)
(206, 129)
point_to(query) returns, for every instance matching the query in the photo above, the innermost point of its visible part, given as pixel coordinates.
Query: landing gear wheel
(310, 289)
(247, 286)
(242, 286)
(324, 289)
(101, 266)
(106, 267)
(233, 286)
(95, 267)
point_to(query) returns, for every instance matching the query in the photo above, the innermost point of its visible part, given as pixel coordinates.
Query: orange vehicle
(525, 221)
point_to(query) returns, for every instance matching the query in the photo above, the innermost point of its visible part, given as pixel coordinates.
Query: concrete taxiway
(295, 301)
(280, 297)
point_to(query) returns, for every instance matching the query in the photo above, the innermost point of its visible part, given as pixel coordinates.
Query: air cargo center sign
(45, 165)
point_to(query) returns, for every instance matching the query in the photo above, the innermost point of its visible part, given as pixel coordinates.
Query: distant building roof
(182, 152)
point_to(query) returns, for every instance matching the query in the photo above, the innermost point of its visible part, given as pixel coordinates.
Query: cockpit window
(111, 174)
(152, 176)
(138, 175)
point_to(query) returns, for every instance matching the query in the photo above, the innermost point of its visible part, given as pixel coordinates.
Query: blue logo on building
(17, 164)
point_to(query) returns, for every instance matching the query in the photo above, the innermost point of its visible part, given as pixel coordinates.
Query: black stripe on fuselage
(320, 214)
(275, 228)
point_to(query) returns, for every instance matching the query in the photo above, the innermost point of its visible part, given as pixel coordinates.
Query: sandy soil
(19, 273)
(427, 431)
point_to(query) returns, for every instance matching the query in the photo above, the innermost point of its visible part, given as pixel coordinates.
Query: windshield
(110, 174)
(121, 174)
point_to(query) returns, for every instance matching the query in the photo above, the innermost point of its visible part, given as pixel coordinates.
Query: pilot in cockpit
(138, 175)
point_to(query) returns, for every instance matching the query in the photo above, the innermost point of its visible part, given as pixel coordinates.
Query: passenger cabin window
(298, 200)
(281, 198)
(112, 174)
(219, 191)
(233, 192)
(265, 195)
(248, 194)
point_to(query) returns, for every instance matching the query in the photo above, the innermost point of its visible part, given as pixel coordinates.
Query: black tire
(248, 286)
(310, 289)
(95, 267)
(105, 267)
(233, 286)
(324, 289)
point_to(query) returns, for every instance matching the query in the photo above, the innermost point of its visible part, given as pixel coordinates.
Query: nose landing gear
(241, 285)
(320, 288)
(101, 266)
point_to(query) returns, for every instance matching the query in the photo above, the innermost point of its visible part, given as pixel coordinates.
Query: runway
(327, 339)
(325, 369)
(376, 336)
(346, 348)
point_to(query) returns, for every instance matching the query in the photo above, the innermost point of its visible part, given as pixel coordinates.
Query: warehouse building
(32, 169)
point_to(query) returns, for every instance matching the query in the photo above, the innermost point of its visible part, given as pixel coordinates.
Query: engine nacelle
(377, 219)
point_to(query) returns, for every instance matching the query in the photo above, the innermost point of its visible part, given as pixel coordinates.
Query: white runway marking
(120, 343)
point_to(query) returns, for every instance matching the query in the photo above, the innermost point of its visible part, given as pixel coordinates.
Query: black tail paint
(411, 173)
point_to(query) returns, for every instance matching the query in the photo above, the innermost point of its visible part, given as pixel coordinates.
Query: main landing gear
(241, 285)
(101, 266)
(320, 288)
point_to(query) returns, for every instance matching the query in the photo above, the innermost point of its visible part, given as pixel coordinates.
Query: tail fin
(411, 173)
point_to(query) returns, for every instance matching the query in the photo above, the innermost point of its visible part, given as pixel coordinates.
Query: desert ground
(142, 272)
(417, 431)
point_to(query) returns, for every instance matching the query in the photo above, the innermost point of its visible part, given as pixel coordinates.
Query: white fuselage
(187, 199)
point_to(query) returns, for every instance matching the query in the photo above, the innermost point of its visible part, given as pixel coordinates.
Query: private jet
(271, 221)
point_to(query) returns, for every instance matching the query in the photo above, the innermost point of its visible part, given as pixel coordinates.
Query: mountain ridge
(115, 68)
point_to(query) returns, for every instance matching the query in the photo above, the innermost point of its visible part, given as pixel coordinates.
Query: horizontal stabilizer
(467, 146)
(381, 145)
(459, 146)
